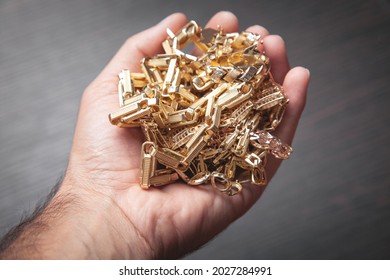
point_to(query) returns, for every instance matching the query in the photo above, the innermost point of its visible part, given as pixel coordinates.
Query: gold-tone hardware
(207, 118)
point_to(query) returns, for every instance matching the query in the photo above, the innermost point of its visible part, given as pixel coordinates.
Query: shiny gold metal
(148, 164)
(168, 157)
(206, 118)
(164, 178)
(200, 178)
(220, 181)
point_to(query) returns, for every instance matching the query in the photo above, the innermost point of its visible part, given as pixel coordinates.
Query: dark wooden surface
(331, 200)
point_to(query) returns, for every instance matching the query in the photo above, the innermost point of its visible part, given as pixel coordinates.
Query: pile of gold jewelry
(206, 118)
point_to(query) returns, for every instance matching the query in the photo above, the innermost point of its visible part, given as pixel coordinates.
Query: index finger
(143, 44)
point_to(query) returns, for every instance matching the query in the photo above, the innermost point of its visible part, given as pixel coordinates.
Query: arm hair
(27, 221)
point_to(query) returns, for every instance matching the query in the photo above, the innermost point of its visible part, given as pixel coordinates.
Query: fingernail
(172, 15)
(308, 71)
(227, 12)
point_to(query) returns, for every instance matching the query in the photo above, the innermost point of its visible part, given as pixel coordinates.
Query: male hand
(100, 210)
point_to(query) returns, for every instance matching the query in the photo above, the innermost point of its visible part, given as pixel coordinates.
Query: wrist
(78, 223)
(96, 227)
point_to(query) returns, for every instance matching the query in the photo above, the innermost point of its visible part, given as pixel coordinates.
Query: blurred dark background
(331, 200)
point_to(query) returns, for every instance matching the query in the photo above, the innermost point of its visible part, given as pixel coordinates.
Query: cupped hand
(169, 221)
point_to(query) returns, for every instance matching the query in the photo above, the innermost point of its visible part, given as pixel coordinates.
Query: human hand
(107, 214)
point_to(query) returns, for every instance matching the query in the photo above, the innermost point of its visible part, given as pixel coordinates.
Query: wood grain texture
(331, 200)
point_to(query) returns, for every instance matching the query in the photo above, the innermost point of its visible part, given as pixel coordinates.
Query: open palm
(169, 221)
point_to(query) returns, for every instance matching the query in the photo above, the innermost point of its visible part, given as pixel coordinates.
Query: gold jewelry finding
(206, 118)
